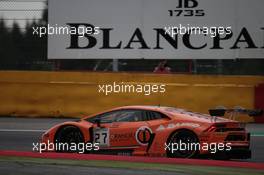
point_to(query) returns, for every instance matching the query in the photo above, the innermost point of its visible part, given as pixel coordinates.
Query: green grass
(194, 170)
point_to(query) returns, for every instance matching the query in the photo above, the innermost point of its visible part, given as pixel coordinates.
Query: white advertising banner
(155, 29)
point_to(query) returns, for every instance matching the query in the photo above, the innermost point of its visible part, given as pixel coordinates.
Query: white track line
(257, 135)
(21, 130)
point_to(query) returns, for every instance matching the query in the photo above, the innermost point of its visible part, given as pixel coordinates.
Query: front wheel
(66, 137)
(182, 144)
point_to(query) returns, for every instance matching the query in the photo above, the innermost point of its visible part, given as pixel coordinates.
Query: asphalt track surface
(20, 133)
(40, 169)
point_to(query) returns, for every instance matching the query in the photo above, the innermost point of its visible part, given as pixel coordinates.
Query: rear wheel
(67, 136)
(183, 144)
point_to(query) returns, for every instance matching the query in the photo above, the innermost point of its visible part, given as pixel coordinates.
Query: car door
(100, 130)
(130, 130)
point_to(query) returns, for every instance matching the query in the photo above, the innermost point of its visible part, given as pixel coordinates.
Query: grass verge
(186, 169)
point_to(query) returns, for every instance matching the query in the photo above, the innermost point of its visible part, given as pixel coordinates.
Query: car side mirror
(98, 122)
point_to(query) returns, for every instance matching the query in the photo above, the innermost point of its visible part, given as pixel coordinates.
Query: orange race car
(151, 131)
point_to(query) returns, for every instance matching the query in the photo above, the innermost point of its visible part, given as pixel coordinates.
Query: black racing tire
(182, 136)
(68, 135)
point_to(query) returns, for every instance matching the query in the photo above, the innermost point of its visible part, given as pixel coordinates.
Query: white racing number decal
(101, 136)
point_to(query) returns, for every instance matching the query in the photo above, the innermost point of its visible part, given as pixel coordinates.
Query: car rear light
(216, 127)
(211, 129)
(235, 137)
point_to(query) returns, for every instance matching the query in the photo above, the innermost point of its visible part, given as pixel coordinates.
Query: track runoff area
(17, 135)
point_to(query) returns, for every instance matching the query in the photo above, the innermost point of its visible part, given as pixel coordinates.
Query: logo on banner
(186, 8)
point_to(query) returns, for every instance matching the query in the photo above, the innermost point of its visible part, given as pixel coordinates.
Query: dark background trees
(19, 48)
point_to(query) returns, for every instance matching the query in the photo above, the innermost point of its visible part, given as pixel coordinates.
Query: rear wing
(234, 112)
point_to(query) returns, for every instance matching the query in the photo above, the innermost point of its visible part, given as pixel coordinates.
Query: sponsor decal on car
(143, 135)
(121, 137)
(176, 125)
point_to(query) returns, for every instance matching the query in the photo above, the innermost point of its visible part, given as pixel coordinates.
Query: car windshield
(118, 116)
(129, 116)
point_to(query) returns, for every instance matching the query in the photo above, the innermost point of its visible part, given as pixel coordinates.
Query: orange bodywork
(129, 135)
